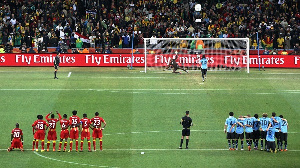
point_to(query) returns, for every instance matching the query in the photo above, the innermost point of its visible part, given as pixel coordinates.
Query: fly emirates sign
(138, 60)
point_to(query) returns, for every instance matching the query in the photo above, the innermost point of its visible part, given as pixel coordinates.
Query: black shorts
(277, 135)
(175, 66)
(186, 132)
(239, 136)
(249, 135)
(283, 136)
(271, 145)
(203, 71)
(55, 67)
(230, 135)
(256, 134)
(263, 134)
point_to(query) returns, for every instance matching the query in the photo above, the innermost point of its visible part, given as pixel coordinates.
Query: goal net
(223, 54)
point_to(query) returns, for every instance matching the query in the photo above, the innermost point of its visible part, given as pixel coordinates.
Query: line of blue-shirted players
(255, 128)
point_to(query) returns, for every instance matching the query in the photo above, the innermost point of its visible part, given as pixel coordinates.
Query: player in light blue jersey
(204, 62)
(256, 131)
(264, 124)
(283, 133)
(276, 123)
(271, 139)
(249, 121)
(240, 132)
(229, 128)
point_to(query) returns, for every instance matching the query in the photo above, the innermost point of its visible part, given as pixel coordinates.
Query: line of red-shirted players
(74, 122)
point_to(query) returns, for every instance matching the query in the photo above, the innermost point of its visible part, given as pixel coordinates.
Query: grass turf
(143, 111)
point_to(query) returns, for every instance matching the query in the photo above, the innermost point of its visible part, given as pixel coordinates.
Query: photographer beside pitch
(56, 64)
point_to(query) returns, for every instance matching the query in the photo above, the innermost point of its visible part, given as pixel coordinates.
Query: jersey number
(74, 121)
(16, 134)
(97, 122)
(51, 125)
(40, 126)
(264, 122)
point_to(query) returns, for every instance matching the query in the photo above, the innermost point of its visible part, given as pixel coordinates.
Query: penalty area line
(69, 74)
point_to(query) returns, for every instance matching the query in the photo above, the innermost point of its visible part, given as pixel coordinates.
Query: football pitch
(143, 111)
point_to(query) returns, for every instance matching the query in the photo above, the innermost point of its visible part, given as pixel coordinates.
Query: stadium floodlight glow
(223, 54)
(197, 7)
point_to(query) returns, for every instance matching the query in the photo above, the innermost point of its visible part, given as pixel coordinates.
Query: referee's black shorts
(55, 67)
(186, 132)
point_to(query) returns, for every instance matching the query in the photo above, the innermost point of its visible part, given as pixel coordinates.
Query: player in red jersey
(40, 125)
(74, 122)
(34, 135)
(85, 132)
(97, 131)
(16, 139)
(52, 129)
(64, 134)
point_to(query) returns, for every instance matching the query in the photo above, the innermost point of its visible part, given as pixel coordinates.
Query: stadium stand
(55, 25)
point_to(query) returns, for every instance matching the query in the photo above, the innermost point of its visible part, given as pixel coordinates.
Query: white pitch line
(69, 74)
(121, 89)
(111, 90)
(264, 93)
(128, 77)
(249, 78)
(290, 150)
(282, 73)
(18, 89)
(173, 93)
(177, 150)
(66, 161)
(153, 131)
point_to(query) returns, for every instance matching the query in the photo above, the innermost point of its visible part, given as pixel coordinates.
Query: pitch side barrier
(138, 60)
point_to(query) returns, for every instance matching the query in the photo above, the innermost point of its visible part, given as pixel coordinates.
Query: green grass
(143, 111)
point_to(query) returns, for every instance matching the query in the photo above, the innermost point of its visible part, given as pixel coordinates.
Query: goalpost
(223, 54)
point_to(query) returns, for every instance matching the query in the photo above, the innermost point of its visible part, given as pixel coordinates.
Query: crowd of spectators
(111, 23)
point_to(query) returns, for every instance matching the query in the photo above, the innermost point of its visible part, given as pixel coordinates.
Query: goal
(223, 54)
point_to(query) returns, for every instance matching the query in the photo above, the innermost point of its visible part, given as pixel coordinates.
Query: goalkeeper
(175, 66)
(203, 67)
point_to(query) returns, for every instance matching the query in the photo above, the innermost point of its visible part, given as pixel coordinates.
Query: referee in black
(56, 65)
(186, 122)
